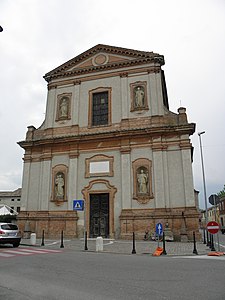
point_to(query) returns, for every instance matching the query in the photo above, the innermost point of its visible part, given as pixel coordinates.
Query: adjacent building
(222, 211)
(110, 139)
(11, 199)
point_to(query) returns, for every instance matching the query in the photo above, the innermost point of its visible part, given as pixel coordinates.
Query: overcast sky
(40, 35)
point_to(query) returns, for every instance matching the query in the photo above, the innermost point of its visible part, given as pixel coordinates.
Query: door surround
(100, 186)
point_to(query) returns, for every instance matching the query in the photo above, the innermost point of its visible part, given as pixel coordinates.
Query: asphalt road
(89, 276)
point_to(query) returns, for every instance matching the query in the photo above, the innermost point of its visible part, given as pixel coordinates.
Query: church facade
(109, 139)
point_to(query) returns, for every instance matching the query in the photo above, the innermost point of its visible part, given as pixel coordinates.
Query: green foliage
(222, 192)
(7, 218)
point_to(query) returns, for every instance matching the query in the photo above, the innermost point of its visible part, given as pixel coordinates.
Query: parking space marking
(17, 252)
(7, 253)
(202, 257)
(39, 251)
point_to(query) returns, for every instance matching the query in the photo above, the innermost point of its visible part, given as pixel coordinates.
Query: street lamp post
(204, 186)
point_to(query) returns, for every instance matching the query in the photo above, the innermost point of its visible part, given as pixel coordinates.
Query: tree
(222, 192)
(7, 218)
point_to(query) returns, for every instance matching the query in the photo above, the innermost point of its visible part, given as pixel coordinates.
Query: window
(18, 199)
(99, 107)
(12, 199)
(18, 209)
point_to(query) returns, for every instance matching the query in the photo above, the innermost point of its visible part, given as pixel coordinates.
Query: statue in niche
(139, 97)
(142, 181)
(59, 185)
(63, 108)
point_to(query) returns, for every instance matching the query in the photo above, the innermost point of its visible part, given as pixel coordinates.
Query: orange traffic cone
(158, 251)
(216, 253)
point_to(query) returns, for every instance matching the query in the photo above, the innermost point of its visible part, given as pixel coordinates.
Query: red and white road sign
(213, 227)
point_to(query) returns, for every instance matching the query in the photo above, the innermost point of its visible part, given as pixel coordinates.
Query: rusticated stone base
(179, 220)
(52, 222)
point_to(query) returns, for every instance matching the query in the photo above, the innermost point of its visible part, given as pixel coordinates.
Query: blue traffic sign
(78, 204)
(159, 229)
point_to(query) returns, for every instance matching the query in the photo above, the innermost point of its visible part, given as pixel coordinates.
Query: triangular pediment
(100, 59)
(103, 57)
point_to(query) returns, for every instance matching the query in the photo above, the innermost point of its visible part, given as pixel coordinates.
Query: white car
(10, 234)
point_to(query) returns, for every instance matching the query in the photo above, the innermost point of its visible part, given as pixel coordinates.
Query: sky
(40, 35)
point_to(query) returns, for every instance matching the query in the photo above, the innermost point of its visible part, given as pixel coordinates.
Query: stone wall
(181, 221)
(51, 222)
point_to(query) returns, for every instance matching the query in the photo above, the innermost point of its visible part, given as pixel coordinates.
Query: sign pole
(218, 241)
(79, 205)
(213, 228)
(85, 231)
(158, 230)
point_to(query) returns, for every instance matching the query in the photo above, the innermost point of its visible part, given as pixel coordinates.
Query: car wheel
(15, 245)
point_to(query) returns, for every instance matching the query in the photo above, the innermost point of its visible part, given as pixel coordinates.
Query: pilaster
(188, 178)
(44, 190)
(51, 108)
(72, 181)
(126, 180)
(153, 94)
(158, 179)
(25, 185)
(75, 103)
(124, 95)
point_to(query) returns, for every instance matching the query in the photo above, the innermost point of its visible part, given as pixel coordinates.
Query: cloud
(40, 35)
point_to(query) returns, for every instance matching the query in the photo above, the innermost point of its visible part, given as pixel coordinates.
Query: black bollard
(204, 240)
(194, 250)
(85, 241)
(208, 239)
(43, 238)
(62, 246)
(133, 250)
(212, 244)
(164, 245)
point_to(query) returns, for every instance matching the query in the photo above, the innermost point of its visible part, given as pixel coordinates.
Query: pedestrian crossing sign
(78, 204)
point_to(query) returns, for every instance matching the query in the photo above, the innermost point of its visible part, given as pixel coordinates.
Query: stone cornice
(110, 133)
(96, 69)
(64, 79)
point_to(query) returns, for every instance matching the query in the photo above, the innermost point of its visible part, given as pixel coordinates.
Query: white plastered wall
(45, 185)
(85, 87)
(25, 186)
(121, 99)
(115, 180)
(126, 171)
(137, 154)
(33, 187)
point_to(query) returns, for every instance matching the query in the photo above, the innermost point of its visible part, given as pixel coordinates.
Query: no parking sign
(213, 227)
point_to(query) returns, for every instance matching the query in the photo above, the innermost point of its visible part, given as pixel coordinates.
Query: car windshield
(9, 226)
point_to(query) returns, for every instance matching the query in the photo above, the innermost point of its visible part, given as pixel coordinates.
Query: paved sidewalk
(124, 246)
